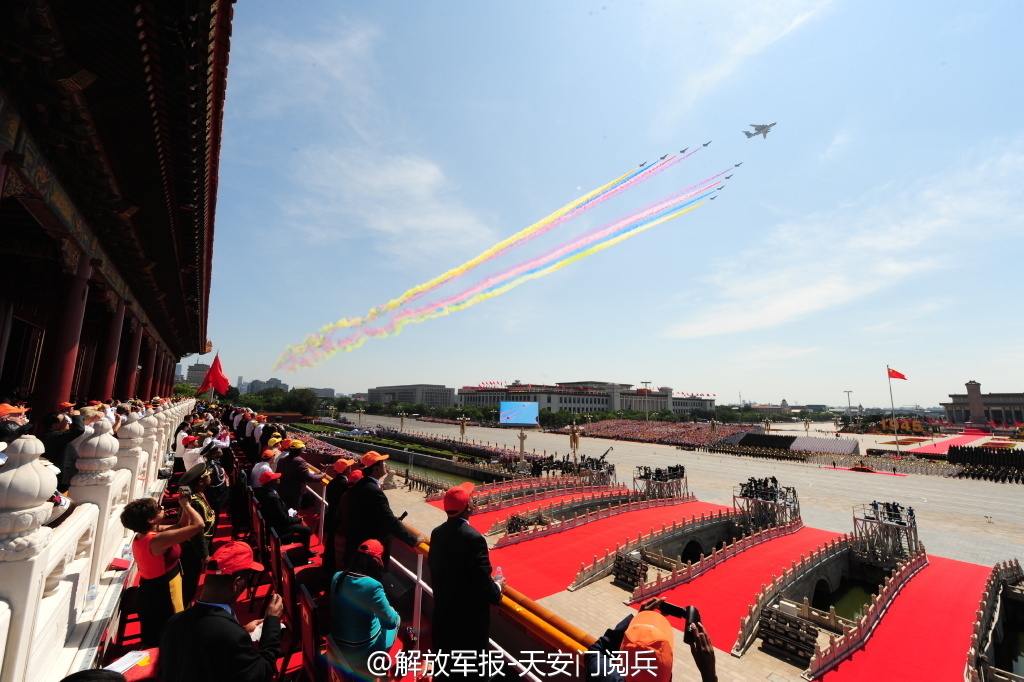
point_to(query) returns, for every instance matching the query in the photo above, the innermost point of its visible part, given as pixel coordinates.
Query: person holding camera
(647, 639)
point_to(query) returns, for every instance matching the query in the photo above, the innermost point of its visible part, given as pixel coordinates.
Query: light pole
(647, 398)
(401, 420)
(849, 408)
(360, 413)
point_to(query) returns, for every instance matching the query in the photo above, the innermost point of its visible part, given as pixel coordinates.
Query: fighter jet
(663, 158)
(759, 130)
(738, 164)
(719, 189)
(727, 177)
(643, 164)
(683, 150)
(708, 142)
(714, 197)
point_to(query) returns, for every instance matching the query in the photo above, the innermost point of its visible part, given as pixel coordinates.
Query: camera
(689, 613)
(185, 491)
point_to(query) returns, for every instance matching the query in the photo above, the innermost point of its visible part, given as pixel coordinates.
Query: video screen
(520, 414)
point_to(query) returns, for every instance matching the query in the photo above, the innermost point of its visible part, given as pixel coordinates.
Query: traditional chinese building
(110, 129)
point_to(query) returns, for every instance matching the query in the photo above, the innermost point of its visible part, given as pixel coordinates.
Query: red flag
(215, 378)
(893, 374)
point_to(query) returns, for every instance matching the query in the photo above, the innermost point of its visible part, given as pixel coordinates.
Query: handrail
(852, 639)
(603, 494)
(1003, 573)
(796, 571)
(323, 511)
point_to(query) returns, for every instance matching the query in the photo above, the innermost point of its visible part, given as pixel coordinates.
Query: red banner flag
(893, 374)
(215, 379)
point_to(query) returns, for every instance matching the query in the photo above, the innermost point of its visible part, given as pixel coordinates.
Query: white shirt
(257, 471)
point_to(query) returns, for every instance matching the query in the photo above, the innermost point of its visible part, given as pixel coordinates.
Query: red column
(106, 363)
(129, 366)
(64, 352)
(146, 380)
(165, 362)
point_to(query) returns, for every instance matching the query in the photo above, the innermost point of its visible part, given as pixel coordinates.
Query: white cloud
(770, 356)
(403, 202)
(886, 238)
(839, 142)
(740, 31)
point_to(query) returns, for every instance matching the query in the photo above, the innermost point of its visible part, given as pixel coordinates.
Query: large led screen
(520, 414)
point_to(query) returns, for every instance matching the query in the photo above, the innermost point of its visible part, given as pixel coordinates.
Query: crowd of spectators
(441, 420)
(691, 434)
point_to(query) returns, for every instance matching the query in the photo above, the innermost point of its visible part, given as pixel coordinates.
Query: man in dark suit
(460, 569)
(369, 513)
(205, 642)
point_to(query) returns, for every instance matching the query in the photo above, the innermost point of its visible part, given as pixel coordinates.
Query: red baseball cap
(457, 499)
(354, 476)
(66, 405)
(372, 457)
(188, 440)
(373, 548)
(286, 443)
(7, 408)
(232, 557)
(268, 476)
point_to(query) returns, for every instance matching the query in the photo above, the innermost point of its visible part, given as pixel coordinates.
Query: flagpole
(892, 403)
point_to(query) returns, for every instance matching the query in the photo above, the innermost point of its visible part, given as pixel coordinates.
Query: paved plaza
(973, 521)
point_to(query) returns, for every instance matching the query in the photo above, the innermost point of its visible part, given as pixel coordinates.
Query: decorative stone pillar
(99, 482)
(25, 489)
(150, 446)
(130, 455)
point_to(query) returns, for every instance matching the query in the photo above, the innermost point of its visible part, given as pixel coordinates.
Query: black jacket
(206, 643)
(273, 509)
(370, 516)
(460, 572)
(59, 450)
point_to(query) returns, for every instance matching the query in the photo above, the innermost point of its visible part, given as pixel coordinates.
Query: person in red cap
(647, 639)
(285, 521)
(206, 643)
(460, 568)
(362, 620)
(369, 512)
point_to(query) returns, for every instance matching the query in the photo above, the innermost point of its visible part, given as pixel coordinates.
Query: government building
(581, 397)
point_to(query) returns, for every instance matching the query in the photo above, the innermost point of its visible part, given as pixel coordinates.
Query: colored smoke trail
(572, 210)
(323, 346)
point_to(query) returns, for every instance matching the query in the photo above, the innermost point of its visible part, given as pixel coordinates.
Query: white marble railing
(46, 574)
(769, 593)
(853, 638)
(525, 485)
(495, 502)
(602, 566)
(1003, 573)
(586, 494)
(581, 519)
(682, 574)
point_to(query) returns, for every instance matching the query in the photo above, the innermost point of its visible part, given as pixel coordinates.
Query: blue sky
(369, 147)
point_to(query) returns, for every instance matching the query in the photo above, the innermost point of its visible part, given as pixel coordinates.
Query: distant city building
(581, 397)
(360, 396)
(243, 387)
(179, 373)
(255, 386)
(434, 395)
(781, 408)
(1005, 409)
(320, 392)
(196, 373)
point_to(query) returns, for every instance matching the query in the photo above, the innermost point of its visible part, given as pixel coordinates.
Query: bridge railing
(1003, 573)
(839, 648)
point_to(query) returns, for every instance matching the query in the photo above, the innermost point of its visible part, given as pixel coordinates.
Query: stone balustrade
(581, 519)
(683, 574)
(45, 574)
(525, 485)
(587, 494)
(839, 648)
(602, 566)
(773, 591)
(496, 502)
(1003, 573)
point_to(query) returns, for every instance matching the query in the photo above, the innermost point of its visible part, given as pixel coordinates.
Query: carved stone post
(25, 489)
(98, 481)
(130, 455)
(151, 446)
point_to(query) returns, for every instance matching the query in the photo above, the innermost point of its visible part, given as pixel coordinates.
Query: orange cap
(457, 499)
(372, 457)
(650, 631)
(342, 464)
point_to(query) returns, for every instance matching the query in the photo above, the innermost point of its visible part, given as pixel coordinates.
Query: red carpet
(724, 594)
(483, 522)
(943, 447)
(907, 645)
(541, 567)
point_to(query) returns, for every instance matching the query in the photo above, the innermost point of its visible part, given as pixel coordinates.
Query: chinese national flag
(893, 374)
(215, 378)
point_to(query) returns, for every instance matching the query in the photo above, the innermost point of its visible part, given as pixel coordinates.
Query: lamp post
(401, 420)
(360, 411)
(462, 427)
(849, 407)
(647, 398)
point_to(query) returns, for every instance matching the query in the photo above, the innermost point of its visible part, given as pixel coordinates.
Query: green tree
(184, 390)
(301, 400)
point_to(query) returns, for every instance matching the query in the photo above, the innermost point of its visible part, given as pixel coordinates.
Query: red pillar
(165, 362)
(146, 380)
(129, 366)
(63, 353)
(106, 363)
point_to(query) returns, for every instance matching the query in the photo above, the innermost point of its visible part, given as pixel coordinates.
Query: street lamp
(401, 420)
(647, 398)
(360, 411)
(849, 407)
